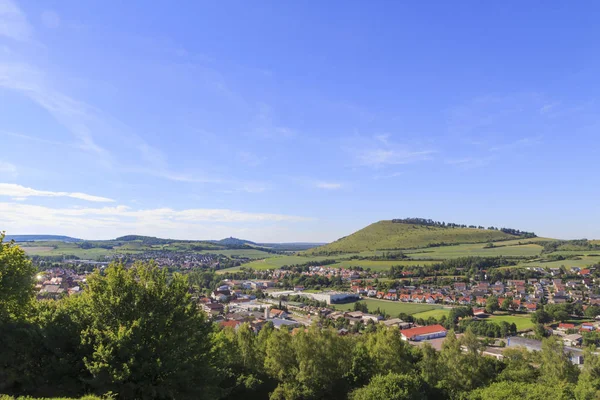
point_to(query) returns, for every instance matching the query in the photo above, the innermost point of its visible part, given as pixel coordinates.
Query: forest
(136, 333)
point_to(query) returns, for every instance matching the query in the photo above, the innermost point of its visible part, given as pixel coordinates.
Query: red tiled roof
(422, 330)
(229, 324)
(566, 326)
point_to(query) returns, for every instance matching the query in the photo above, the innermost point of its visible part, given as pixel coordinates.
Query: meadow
(477, 249)
(436, 313)
(378, 266)
(253, 254)
(584, 261)
(523, 322)
(393, 308)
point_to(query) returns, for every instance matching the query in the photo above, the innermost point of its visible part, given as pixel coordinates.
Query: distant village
(260, 301)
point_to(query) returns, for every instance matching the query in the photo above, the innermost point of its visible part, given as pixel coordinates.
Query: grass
(436, 313)
(253, 254)
(386, 235)
(584, 261)
(477, 249)
(280, 261)
(523, 322)
(377, 266)
(393, 308)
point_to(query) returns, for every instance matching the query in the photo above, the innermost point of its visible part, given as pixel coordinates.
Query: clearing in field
(37, 250)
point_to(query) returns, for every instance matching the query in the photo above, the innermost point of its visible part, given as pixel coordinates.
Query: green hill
(394, 235)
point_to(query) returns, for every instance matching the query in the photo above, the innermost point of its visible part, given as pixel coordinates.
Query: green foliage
(555, 366)
(588, 386)
(16, 280)
(491, 304)
(391, 387)
(518, 367)
(145, 337)
(522, 391)
(592, 311)
(488, 329)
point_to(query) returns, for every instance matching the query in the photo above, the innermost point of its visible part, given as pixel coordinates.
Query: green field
(523, 322)
(437, 313)
(377, 265)
(387, 235)
(585, 261)
(391, 307)
(243, 253)
(65, 249)
(465, 250)
(280, 261)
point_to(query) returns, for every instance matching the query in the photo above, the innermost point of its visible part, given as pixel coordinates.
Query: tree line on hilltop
(441, 224)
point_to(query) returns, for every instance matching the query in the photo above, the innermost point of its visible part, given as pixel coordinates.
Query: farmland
(523, 322)
(436, 313)
(478, 249)
(391, 307)
(377, 265)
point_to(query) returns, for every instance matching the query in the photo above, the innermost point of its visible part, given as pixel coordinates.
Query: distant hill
(399, 234)
(37, 238)
(231, 241)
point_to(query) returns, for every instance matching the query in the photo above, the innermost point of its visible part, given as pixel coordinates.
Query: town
(512, 312)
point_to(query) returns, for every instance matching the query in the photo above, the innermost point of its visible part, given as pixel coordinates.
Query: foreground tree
(16, 281)
(588, 386)
(392, 387)
(555, 366)
(521, 391)
(145, 338)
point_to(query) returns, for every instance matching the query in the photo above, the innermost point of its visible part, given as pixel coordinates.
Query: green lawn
(478, 249)
(391, 307)
(280, 261)
(523, 322)
(436, 313)
(378, 265)
(585, 261)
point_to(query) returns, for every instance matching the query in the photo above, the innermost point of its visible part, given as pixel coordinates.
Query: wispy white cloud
(76, 116)
(266, 127)
(111, 221)
(388, 176)
(22, 192)
(328, 185)
(8, 169)
(93, 131)
(13, 23)
(380, 151)
(523, 142)
(396, 156)
(470, 162)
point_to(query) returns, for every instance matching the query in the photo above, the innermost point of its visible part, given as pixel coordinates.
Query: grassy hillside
(388, 235)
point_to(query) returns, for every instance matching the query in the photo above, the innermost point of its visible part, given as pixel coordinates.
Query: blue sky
(297, 121)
